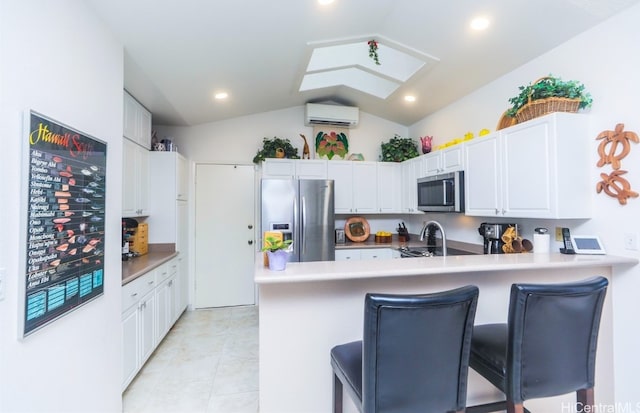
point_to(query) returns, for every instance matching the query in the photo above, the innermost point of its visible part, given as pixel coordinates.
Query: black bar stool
(548, 347)
(414, 356)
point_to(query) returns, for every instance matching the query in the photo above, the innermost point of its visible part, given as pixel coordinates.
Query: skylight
(348, 64)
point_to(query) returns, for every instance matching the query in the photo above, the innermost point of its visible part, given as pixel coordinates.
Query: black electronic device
(568, 245)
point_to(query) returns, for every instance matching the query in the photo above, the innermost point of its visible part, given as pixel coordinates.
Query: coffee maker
(492, 235)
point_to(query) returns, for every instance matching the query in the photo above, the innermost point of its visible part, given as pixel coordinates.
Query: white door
(224, 235)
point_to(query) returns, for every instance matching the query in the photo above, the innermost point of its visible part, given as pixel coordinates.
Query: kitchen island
(311, 307)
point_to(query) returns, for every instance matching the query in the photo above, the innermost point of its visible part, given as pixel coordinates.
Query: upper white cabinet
(537, 169)
(294, 168)
(168, 192)
(136, 121)
(442, 161)
(389, 189)
(355, 186)
(410, 170)
(135, 179)
(279, 168)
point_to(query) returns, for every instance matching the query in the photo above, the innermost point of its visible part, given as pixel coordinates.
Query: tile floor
(207, 363)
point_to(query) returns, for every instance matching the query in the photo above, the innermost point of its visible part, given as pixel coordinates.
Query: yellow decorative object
(468, 136)
(484, 132)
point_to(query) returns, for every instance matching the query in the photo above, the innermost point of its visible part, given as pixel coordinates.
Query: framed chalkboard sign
(65, 203)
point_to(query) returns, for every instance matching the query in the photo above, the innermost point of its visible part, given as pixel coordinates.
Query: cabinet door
(279, 168)
(410, 173)
(163, 315)
(365, 187)
(483, 196)
(144, 127)
(375, 253)
(431, 164)
(452, 159)
(147, 326)
(311, 169)
(128, 178)
(129, 120)
(348, 255)
(527, 175)
(182, 178)
(142, 181)
(130, 353)
(341, 173)
(389, 190)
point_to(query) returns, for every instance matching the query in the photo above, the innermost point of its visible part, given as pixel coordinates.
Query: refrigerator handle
(303, 218)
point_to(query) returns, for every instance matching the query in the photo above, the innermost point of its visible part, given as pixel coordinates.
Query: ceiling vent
(343, 116)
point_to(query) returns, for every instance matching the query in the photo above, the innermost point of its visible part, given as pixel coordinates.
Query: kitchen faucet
(423, 233)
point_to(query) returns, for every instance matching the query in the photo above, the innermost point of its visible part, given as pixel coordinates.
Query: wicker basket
(540, 107)
(506, 121)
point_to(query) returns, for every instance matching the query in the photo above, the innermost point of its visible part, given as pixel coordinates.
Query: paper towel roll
(540, 243)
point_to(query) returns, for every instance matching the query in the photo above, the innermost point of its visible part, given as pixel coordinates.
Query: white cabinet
(294, 168)
(442, 161)
(135, 179)
(542, 167)
(150, 306)
(410, 171)
(389, 189)
(136, 122)
(356, 254)
(355, 186)
(167, 296)
(279, 168)
(138, 324)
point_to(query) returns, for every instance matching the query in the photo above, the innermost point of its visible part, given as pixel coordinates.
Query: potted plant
(398, 149)
(276, 148)
(548, 94)
(276, 250)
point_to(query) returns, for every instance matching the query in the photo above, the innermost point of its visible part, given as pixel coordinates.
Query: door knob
(250, 242)
(250, 226)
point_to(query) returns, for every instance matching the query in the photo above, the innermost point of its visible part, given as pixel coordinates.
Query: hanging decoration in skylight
(373, 51)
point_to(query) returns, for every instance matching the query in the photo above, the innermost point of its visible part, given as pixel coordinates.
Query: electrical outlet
(2, 271)
(631, 241)
(559, 234)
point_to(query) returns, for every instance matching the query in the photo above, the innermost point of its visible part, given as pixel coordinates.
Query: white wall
(59, 60)
(606, 60)
(239, 139)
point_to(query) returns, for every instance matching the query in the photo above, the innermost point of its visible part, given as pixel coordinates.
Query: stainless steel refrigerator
(303, 211)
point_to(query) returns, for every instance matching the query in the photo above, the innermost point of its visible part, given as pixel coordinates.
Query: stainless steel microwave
(441, 193)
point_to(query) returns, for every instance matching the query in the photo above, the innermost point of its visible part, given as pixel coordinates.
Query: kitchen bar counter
(414, 241)
(310, 307)
(403, 267)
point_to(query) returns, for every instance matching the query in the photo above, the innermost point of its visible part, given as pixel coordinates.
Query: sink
(416, 252)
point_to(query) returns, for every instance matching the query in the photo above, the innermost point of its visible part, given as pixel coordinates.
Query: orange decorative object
(611, 140)
(616, 186)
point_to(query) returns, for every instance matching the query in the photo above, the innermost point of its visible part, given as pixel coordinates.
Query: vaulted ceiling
(179, 53)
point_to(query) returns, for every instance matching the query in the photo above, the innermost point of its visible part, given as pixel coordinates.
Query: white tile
(208, 362)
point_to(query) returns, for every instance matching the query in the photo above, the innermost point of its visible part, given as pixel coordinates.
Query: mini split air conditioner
(343, 116)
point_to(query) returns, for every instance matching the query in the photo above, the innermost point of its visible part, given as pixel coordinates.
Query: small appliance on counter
(492, 235)
(135, 238)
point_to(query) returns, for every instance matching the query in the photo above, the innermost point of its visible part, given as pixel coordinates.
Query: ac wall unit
(343, 116)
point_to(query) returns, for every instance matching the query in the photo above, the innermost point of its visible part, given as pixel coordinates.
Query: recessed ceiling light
(479, 23)
(324, 2)
(221, 95)
(410, 98)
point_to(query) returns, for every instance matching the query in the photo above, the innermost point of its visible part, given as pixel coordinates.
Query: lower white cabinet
(151, 304)
(356, 254)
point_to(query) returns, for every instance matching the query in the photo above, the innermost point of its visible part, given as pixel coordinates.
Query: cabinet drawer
(162, 273)
(136, 289)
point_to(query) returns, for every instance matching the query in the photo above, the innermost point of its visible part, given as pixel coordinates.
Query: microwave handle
(444, 189)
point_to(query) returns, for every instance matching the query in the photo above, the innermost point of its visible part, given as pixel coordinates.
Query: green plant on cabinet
(276, 148)
(398, 149)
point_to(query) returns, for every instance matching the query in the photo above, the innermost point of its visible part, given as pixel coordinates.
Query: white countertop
(345, 270)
